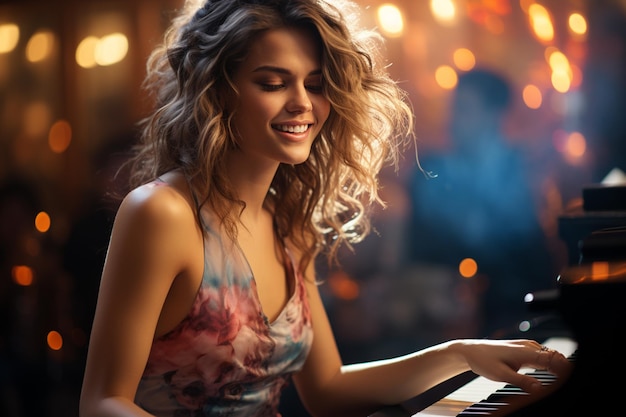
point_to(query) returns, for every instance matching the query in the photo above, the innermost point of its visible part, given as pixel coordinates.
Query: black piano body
(592, 302)
(590, 299)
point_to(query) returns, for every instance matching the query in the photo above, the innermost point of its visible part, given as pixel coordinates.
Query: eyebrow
(280, 70)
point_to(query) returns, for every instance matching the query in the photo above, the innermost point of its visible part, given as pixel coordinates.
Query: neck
(252, 182)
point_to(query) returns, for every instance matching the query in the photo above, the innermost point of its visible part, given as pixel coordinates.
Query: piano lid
(603, 207)
(596, 272)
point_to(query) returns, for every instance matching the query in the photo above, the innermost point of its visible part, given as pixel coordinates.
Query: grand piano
(589, 302)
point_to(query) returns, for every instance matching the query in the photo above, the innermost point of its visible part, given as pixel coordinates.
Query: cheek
(322, 108)
(261, 107)
(251, 111)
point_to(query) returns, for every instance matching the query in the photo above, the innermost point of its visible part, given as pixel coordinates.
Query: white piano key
(481, 387)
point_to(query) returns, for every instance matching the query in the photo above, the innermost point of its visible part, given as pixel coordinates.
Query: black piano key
(504, 398)
(487, 403)
(485, 406)
(543, 376)
(501, 398)
(503, 395)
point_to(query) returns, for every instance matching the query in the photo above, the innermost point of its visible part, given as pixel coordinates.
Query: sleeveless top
(225, 358)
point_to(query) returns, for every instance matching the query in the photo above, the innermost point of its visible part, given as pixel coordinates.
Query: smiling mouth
(292, 129)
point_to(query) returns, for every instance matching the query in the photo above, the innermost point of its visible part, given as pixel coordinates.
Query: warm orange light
(446, 77)
(561, 81)
(42, 222)
(390, 20)
(541, 22)
(9, 37)
(60, 136)
(444, 11)
(343, 286)
(85, 52)
(573, 145)
(576, 145)
(40, 46)
(577, 24)
(464, 59)
(55, 340)
(599, 271)
(561, 70)
(108, 50)
(111, 49)
(22, 275)
(468, 268)
(532, 96)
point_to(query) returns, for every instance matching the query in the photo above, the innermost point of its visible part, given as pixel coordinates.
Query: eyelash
(276, 87)
(272, 87)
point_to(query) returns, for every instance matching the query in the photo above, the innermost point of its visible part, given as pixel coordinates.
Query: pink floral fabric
(225, 358)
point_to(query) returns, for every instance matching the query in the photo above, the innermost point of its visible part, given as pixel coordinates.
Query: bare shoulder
(157, 221)
(159, 202)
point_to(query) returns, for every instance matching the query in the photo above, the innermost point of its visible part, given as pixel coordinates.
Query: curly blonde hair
(319, 204)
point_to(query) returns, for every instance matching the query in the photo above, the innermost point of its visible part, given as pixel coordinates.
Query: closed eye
(272, 87)
(315, 89)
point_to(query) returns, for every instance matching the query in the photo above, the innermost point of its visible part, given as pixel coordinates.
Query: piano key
(483, 389)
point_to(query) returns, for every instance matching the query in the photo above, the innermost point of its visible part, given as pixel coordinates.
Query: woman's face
(281, 107)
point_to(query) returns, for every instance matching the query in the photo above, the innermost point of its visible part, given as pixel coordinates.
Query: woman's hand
(500, 360)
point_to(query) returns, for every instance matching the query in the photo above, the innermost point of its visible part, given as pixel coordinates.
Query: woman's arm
(152, 238)
(327, 387)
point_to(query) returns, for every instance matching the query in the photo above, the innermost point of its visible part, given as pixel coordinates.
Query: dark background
(386, 300)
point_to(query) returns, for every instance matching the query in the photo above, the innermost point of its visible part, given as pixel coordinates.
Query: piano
(590, 300)
(471, 395)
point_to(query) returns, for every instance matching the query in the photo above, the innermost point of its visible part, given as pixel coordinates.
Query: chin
(296, 160)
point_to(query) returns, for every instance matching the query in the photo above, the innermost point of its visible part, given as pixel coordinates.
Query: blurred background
(518, 106)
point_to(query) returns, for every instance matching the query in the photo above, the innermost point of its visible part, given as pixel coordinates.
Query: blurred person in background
(479, 204)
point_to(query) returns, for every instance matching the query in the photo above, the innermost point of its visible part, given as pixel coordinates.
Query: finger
(557, 363)
(525, 382)
(551, 360)
(542, 358)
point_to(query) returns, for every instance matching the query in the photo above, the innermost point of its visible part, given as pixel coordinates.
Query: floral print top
(225, 358)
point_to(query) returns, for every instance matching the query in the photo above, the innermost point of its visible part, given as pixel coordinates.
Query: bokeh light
(60, 136)
(9, 37)
(446, 77)
(40, 46)
(541, 22)
(532, 97)
(444, 11)
(108, 50)
(468, 268)
(577, 24)
(390, 20)
(55, 340)
(22, 275)
(464, 59)
(42, 222)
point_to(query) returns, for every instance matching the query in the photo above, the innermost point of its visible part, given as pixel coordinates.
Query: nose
(299, 102)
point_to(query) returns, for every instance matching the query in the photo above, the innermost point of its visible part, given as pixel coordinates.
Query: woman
(272, 120)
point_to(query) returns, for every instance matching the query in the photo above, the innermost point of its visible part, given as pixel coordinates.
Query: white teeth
(292, 129)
